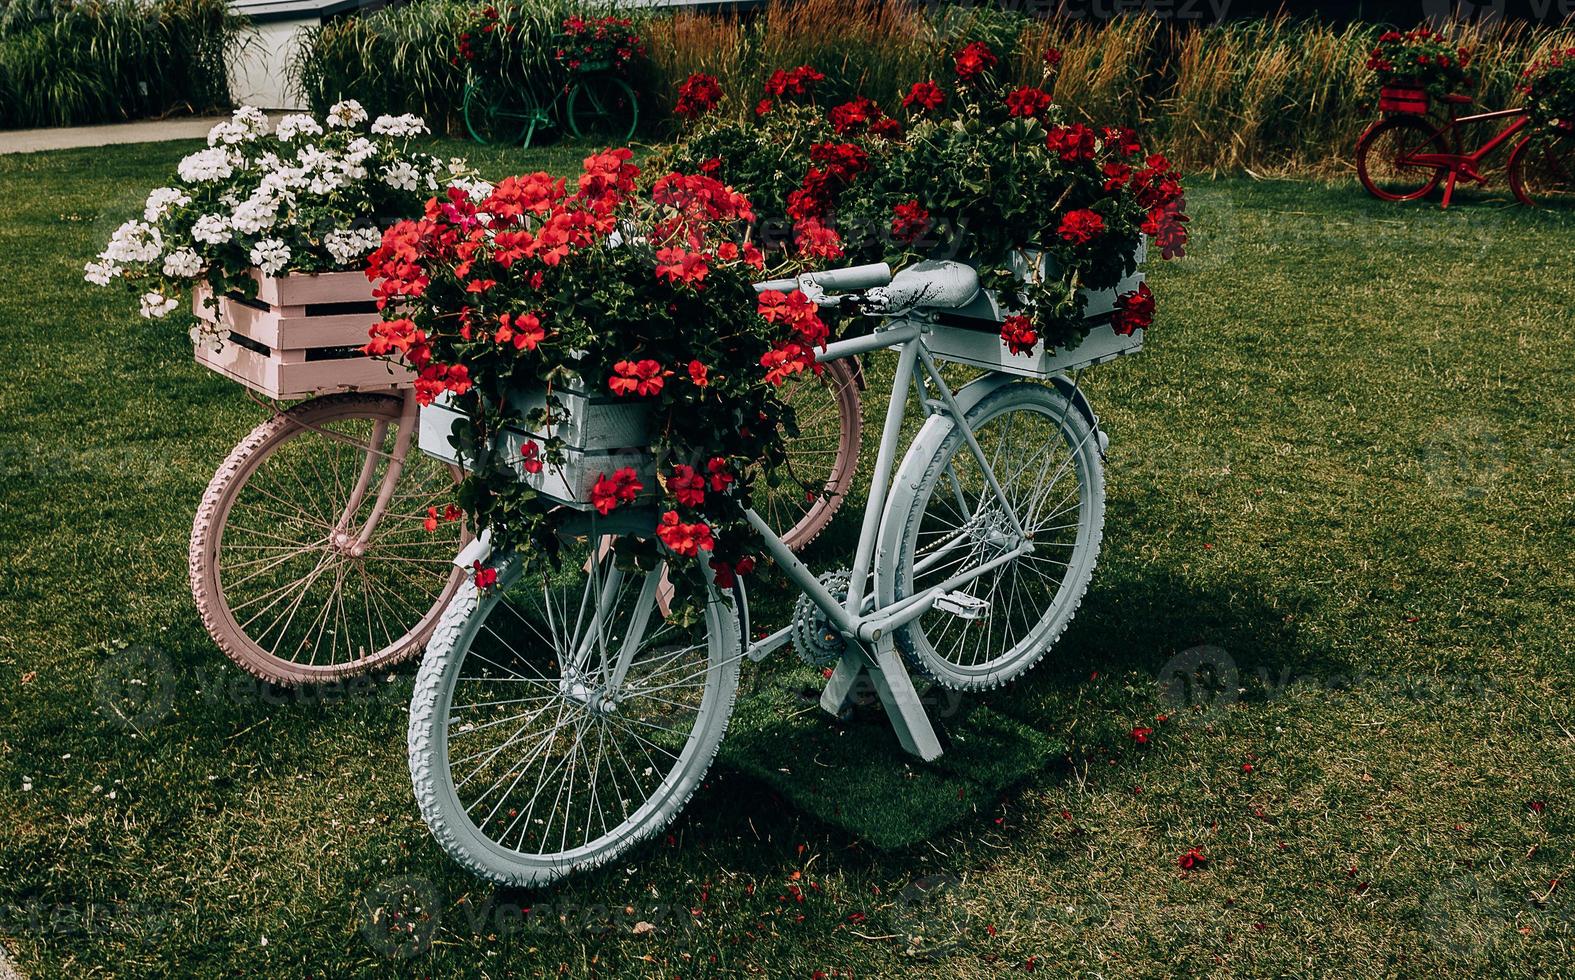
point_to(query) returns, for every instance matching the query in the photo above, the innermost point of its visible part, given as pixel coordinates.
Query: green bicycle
(596, 105)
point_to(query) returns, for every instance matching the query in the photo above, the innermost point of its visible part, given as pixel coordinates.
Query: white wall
(258, 74)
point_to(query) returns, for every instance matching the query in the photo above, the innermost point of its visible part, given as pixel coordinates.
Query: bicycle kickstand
(889, 676)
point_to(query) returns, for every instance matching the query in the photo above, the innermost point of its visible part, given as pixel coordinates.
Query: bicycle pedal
(962, 605)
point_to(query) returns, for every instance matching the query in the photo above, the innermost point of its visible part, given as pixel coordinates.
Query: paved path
(7, 970)
(145, 131)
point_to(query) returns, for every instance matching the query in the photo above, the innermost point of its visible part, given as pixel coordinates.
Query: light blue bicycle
(558, 720)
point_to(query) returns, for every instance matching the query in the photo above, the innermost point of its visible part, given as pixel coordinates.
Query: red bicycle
(1405, 155)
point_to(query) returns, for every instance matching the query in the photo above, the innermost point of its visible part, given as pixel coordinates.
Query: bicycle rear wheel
(1045, 456)
(533, 751)
(280, 578)
(821, 460)
(602, 108)
(1384, 159)
(493, 118)
(1542, 170)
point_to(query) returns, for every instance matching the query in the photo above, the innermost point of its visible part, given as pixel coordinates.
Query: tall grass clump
(69, 63)
(404, 59)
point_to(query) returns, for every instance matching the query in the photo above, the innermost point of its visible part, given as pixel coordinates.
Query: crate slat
(280, 351)
(305, 289)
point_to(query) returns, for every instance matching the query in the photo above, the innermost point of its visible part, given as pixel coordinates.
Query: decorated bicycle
(1405, 155)
(321, 548)
(605, 366)
(584, 90)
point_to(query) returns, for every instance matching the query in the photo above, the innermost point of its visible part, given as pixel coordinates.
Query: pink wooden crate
(299, 337)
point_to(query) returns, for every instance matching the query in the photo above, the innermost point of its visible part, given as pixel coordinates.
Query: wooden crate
(301, 336)
(972, 334)
(1403, 100)
(604, 435)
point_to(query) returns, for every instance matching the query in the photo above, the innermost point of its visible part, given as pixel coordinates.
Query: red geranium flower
(1072, 143)
(697, 95)
(680, 266)
(640, 378)
(974, 60)
(485, 578)
(1192, 859)
(721, 478)
(923, 96)
(1134, 311)
(855, 115)
(1081, 226)
(1140, 734)
(699, 374)
(687, 540)
(530, 457)
(1019, 335)
(816, 241)
(687, 486)
(525, 332)
(1053, 57)
(622, 487)
(910, 222)
(1027, 102)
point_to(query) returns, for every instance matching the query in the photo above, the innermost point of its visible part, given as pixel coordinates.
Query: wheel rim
(602, 107)
(1545, 171)
(1043, 465)
(1383, 161)
(548, 755)
(821, 459)
(296, 584)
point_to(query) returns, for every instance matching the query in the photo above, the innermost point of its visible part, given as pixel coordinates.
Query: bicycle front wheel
(1045, 457)
(281, 576)
(602, 108)
(559, 718)
(1542, 170)
(1385, 159)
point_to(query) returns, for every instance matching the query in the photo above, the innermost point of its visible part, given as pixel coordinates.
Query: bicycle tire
(216, 591)
(926, 642)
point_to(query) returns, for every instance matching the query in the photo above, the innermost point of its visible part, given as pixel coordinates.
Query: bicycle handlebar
(843, 280)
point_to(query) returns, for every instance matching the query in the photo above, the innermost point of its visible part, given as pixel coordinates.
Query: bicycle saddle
(945, 285)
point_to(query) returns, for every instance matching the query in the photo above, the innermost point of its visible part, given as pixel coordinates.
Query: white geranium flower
(400, 176)
(252, 121)
(99, 273)
(271, 256)
(300, 124)
(404, 126)
(325, 182)
(183, 263)
(214, 163)
(161, 200)
(254, 215)
(477, 188)
(211, 229)
(346, 114)
(226, 133)
(156, 306)
(348, 246)
(134, 241)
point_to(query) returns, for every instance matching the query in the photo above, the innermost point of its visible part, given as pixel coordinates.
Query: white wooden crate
(299, 337)
(612, 438)
(972, 334)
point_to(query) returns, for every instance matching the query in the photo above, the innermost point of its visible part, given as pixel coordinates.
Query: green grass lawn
(1342, 477)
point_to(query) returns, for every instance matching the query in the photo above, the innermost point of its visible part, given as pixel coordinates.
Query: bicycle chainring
(814, 636)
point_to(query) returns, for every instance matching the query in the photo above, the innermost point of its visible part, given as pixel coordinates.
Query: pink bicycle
(322, 548)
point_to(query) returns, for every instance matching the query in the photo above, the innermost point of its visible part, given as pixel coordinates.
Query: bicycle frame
(914, 366)
(1466, 164)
